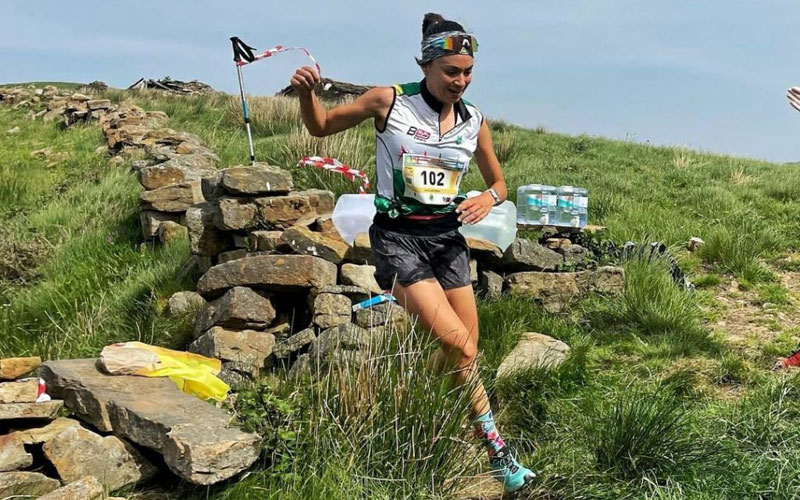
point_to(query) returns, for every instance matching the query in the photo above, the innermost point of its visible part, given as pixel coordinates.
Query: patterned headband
(445, 44)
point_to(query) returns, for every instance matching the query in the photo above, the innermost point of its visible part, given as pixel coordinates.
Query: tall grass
(740, 248)
(504, 145)
(767, 417)
(652, 303)
(532, 390)
(352, 147)
(376, 422)
(641, 432)
(268, 115)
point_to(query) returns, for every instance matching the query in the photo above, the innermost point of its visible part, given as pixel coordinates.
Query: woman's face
(449, 76)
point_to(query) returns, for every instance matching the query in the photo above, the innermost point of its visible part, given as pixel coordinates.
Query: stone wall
(278, 282)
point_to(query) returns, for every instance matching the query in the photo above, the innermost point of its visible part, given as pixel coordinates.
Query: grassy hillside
(665, 395)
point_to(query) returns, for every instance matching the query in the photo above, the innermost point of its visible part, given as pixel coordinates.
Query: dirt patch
(19, 259)
(746, 321)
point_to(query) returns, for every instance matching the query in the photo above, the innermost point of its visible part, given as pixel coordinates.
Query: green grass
(648, 404)
(637, 433)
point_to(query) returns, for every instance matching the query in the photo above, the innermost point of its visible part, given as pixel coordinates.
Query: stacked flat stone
(197, 440)
(277, 274)
(256, 237)
(18, 393)
(171, 173)
(85, 462)
(51, 104)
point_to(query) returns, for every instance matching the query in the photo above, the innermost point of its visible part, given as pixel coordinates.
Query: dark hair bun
(430, 20)
(434, 23)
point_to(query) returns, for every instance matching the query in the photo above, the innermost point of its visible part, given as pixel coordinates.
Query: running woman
(426, 134)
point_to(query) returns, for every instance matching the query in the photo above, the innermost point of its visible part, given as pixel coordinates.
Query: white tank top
(419, 170)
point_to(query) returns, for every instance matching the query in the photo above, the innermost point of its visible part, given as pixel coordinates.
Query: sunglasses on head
(462, 44)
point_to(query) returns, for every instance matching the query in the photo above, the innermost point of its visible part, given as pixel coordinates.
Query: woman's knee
(463, 352)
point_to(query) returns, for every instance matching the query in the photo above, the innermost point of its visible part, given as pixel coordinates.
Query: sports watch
(497, 199)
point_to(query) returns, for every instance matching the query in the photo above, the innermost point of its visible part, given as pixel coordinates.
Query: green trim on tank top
(407, 88)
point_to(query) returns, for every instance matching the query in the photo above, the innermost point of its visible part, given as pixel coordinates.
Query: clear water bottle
(566, 212)
(522, 200)
(353, 214)
(550, 202)
(498, 227)
(582, 202)
(536, 206)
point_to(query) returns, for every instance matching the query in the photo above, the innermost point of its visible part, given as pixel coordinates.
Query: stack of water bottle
(542, 205)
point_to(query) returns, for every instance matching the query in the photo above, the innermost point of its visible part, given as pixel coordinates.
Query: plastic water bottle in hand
(353, 214)
(499, 226)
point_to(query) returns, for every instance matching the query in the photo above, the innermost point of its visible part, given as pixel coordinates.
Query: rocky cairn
(116, 435)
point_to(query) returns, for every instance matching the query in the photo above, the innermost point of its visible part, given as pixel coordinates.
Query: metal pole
(246, 115)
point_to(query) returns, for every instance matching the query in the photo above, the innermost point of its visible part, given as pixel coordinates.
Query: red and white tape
(41, 393)
(335, 165)
(280, 48)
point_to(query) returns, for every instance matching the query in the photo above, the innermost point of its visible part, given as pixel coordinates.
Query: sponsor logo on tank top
(418, 133)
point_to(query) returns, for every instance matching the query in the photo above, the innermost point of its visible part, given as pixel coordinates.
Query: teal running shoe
(506, 469)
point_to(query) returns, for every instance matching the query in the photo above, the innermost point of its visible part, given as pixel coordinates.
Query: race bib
(432, 181)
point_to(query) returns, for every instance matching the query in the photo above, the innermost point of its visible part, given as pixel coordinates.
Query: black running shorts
(407, 259)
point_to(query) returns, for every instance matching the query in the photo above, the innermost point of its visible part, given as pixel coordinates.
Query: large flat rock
(248, 348)
(87, 488)
(13, 368)
(256, 179)
(534, 350)
(528, 255)
(555, 290)
(26, 484)
(173, 197)
(268, 272)
(307, 242)
(11, 411)
(194, 436)
(79, 452)
(240, 308)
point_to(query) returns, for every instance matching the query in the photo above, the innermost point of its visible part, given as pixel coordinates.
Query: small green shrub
(709, 280)
(643, 432)
(262, 410)
(505, 146)
(739, 249)
(653, 303)
(773, 293)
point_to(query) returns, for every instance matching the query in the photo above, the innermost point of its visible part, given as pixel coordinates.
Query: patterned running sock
(486, 430)
(504, 465)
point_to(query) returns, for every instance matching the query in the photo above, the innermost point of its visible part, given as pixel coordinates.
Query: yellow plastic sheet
(192, 373)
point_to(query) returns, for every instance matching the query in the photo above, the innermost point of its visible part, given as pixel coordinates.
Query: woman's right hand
(304, 80)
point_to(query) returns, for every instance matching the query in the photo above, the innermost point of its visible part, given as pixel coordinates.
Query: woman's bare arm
(320, 122)
(474, 209)
(488, 163)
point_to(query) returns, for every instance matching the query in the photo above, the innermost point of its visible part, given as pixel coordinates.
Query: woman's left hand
(474, 209)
